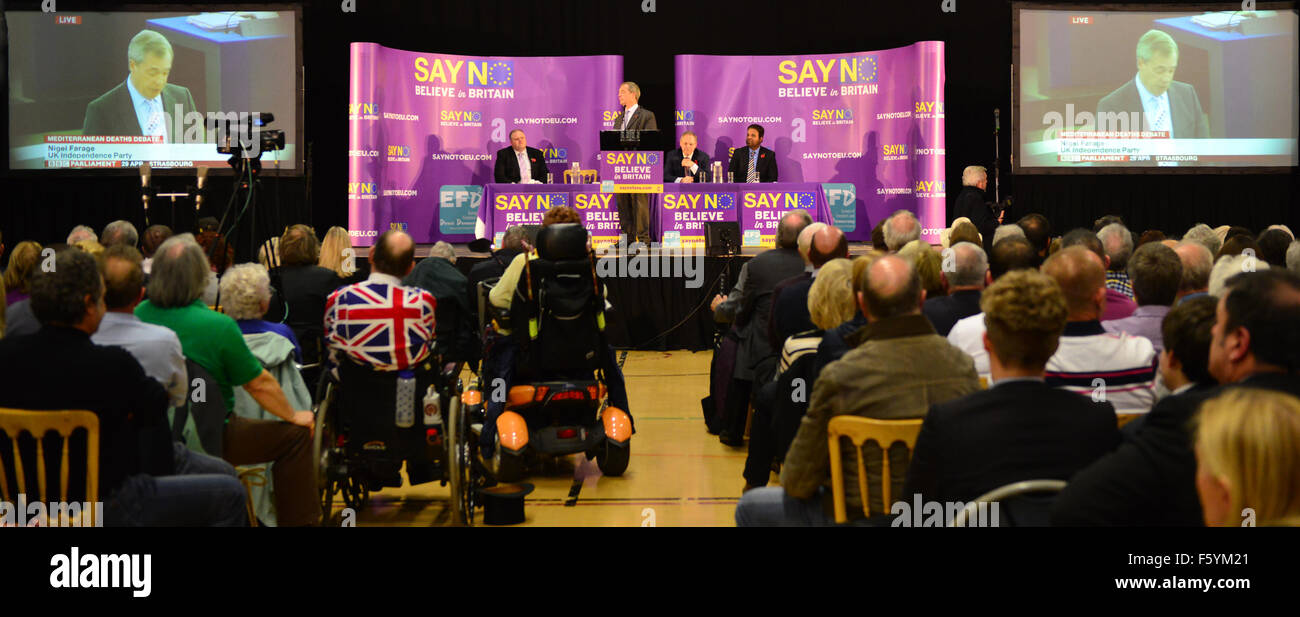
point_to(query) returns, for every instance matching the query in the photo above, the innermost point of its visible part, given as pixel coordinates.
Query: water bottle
(716, 176)
(432, 407)
(550, 178)
(405, 399)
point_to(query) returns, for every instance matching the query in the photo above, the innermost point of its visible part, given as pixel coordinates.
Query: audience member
(965, 281)
(1118, 304)
(245, 297)
(878, 237)
(1021, 428)
(1229, 266)
(138, 462)
(81, 233)
(303, 287)
(23, 261)
(512, 244)
(1155, 273)
(971, 203)
(1238, 245)
(1117, 241)
(964, 231)
(1038, 231)
(213, 341)
(1151, 235)
(901, 369)
(928, 265)
(835, 341)
(337, 254)
(789, 313)
(457, 338)
(1293, 257)
(900, 228)
(967, 333)
(119, 232)
(1272, 246)
(1010, 230)
(348, 322)
(154, 236)
(1248, 459)
(1203, 235)
(1197, 263)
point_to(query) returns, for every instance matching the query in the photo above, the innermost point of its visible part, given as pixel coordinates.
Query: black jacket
(749, 305)
(113, 113)
(457, 334)
(971, 204)
(1151, 479)
(1024, 430)
(945, 311)
(789, 309)
(60, 368)
(507, 166)
(1187, 117)
(766, 165)
(491, 268)
(835, 343)
(673, 164)
(303, 291)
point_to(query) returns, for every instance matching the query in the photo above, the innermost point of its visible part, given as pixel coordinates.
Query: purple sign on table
(526, 204)
(872, 119)
(684, 209)
(418, 122)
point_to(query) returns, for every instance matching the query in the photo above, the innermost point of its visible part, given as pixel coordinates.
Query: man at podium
(634, 210)
(685, 163)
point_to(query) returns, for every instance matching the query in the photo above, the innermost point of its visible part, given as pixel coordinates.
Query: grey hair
(179, 273)
(443, 250)
(148, 42)
(633, 88)
(1153, 41)
(119, 232)
(514, 237)
(896, 238)
(1196, 274)
(1229, 266)
(1118, 244)
(81, 232)
(243, 290)
(1007, 231)
(1293, 257)
(973, 175)
(970, 264)
(1203, 235)
(787, 235)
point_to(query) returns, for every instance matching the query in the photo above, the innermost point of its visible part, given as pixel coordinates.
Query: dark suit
(113, 113)
(490, 268)
(673, 164)
(456, 333)
(971, 204)
(1022, 430)
(634, 209)
(1151, 479)
(1185, 111)
(766, 165)
(507, 167)
(945, 311)
(304, 290)
(789, 309)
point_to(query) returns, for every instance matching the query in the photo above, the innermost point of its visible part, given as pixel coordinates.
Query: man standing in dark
(971, 204)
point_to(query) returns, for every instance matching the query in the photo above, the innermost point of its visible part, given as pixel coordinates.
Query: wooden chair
(15, 422)
(1125, 418)
(860, 430)
(584, 176)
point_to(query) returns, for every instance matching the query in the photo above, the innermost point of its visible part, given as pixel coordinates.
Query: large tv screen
(116, 90)
(1121, 90)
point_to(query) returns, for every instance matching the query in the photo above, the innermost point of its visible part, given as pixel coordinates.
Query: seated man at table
(753, 163)
(685, 163)
(519, 164)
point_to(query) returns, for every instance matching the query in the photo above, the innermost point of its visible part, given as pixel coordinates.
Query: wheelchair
(359, 446)
(558, 403)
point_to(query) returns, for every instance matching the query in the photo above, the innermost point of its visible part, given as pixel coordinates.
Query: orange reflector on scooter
(471, 397)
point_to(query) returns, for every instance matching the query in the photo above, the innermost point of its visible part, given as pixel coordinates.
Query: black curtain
(978, 59)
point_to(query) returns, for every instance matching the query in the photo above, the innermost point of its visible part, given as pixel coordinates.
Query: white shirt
(1155, 109)
(695, 168)
(525, 168)
(627, 116)
(157, 349)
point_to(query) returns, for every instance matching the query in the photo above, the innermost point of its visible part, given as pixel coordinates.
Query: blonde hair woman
(1248, 458)
(332, 250)
(22, 262)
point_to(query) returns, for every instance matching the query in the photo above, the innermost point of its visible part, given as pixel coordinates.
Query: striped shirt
(1120, 282)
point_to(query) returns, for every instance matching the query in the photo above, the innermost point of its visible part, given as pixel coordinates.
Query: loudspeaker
(722, 238)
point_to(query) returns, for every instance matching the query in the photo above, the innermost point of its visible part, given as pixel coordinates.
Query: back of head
(394, 253)
(969, 265)
(299, 246)
(1238, 245)
(827, 244)
(860, 265)
(245, 289)
(561, 214)
(900, 228)
(154, 236)
(80, 233)
(1012, 253)
(788, 229)
(1197, 264)
(1086, 239)
(1273, 244)
(333, 250)
(964, 231)
(1203, 235)
(805, 239)
(1037, 229)
(513, 240)
(1266, 303)
(179, 273)
(443, 250)
(206, 224)
(1187, 333)
(1229, 266)
(928, 265)
(1118, 243)
(22, 262)
(59, 296)
(1248, 441)
(830, 299)
(1156, 272)
(123, 276)
(119, 232)
(1102, 222)
(1008, 231)
(1080, 274)
(973, 175)
(1025, 313)
(878, 236)
(1150, 235)
(892, 288)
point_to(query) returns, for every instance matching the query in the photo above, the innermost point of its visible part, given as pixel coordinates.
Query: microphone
(198, 196)
(997, 119)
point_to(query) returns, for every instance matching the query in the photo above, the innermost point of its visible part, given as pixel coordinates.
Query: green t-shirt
(211, 339)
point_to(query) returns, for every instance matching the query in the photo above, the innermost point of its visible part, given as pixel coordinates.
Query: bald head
(393, 254)
(1082, 277)
(1197, 264)
(805, 239)
(892, 289)
(828, 243)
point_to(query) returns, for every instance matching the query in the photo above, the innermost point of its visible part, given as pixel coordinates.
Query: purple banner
(684, 209)
(424, 130)
(873, 120)
(526, 204)
(632, 171)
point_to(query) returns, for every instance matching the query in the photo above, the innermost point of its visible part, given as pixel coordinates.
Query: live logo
(67, 20)
(1080, 20)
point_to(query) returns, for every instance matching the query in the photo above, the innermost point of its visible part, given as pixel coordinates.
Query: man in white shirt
(1164, 104)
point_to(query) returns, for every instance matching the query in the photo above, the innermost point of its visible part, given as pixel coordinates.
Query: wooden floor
(679, 475)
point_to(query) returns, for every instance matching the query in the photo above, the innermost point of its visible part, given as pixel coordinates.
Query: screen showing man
(1112, 90)
(145, 103)
(685, 163)
(519, 164)
(753, 163)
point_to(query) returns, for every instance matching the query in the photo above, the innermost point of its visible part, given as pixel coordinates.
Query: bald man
(790, 298)
(1197, 265)
(901, 369)
(1091, 361)
(965, 281)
